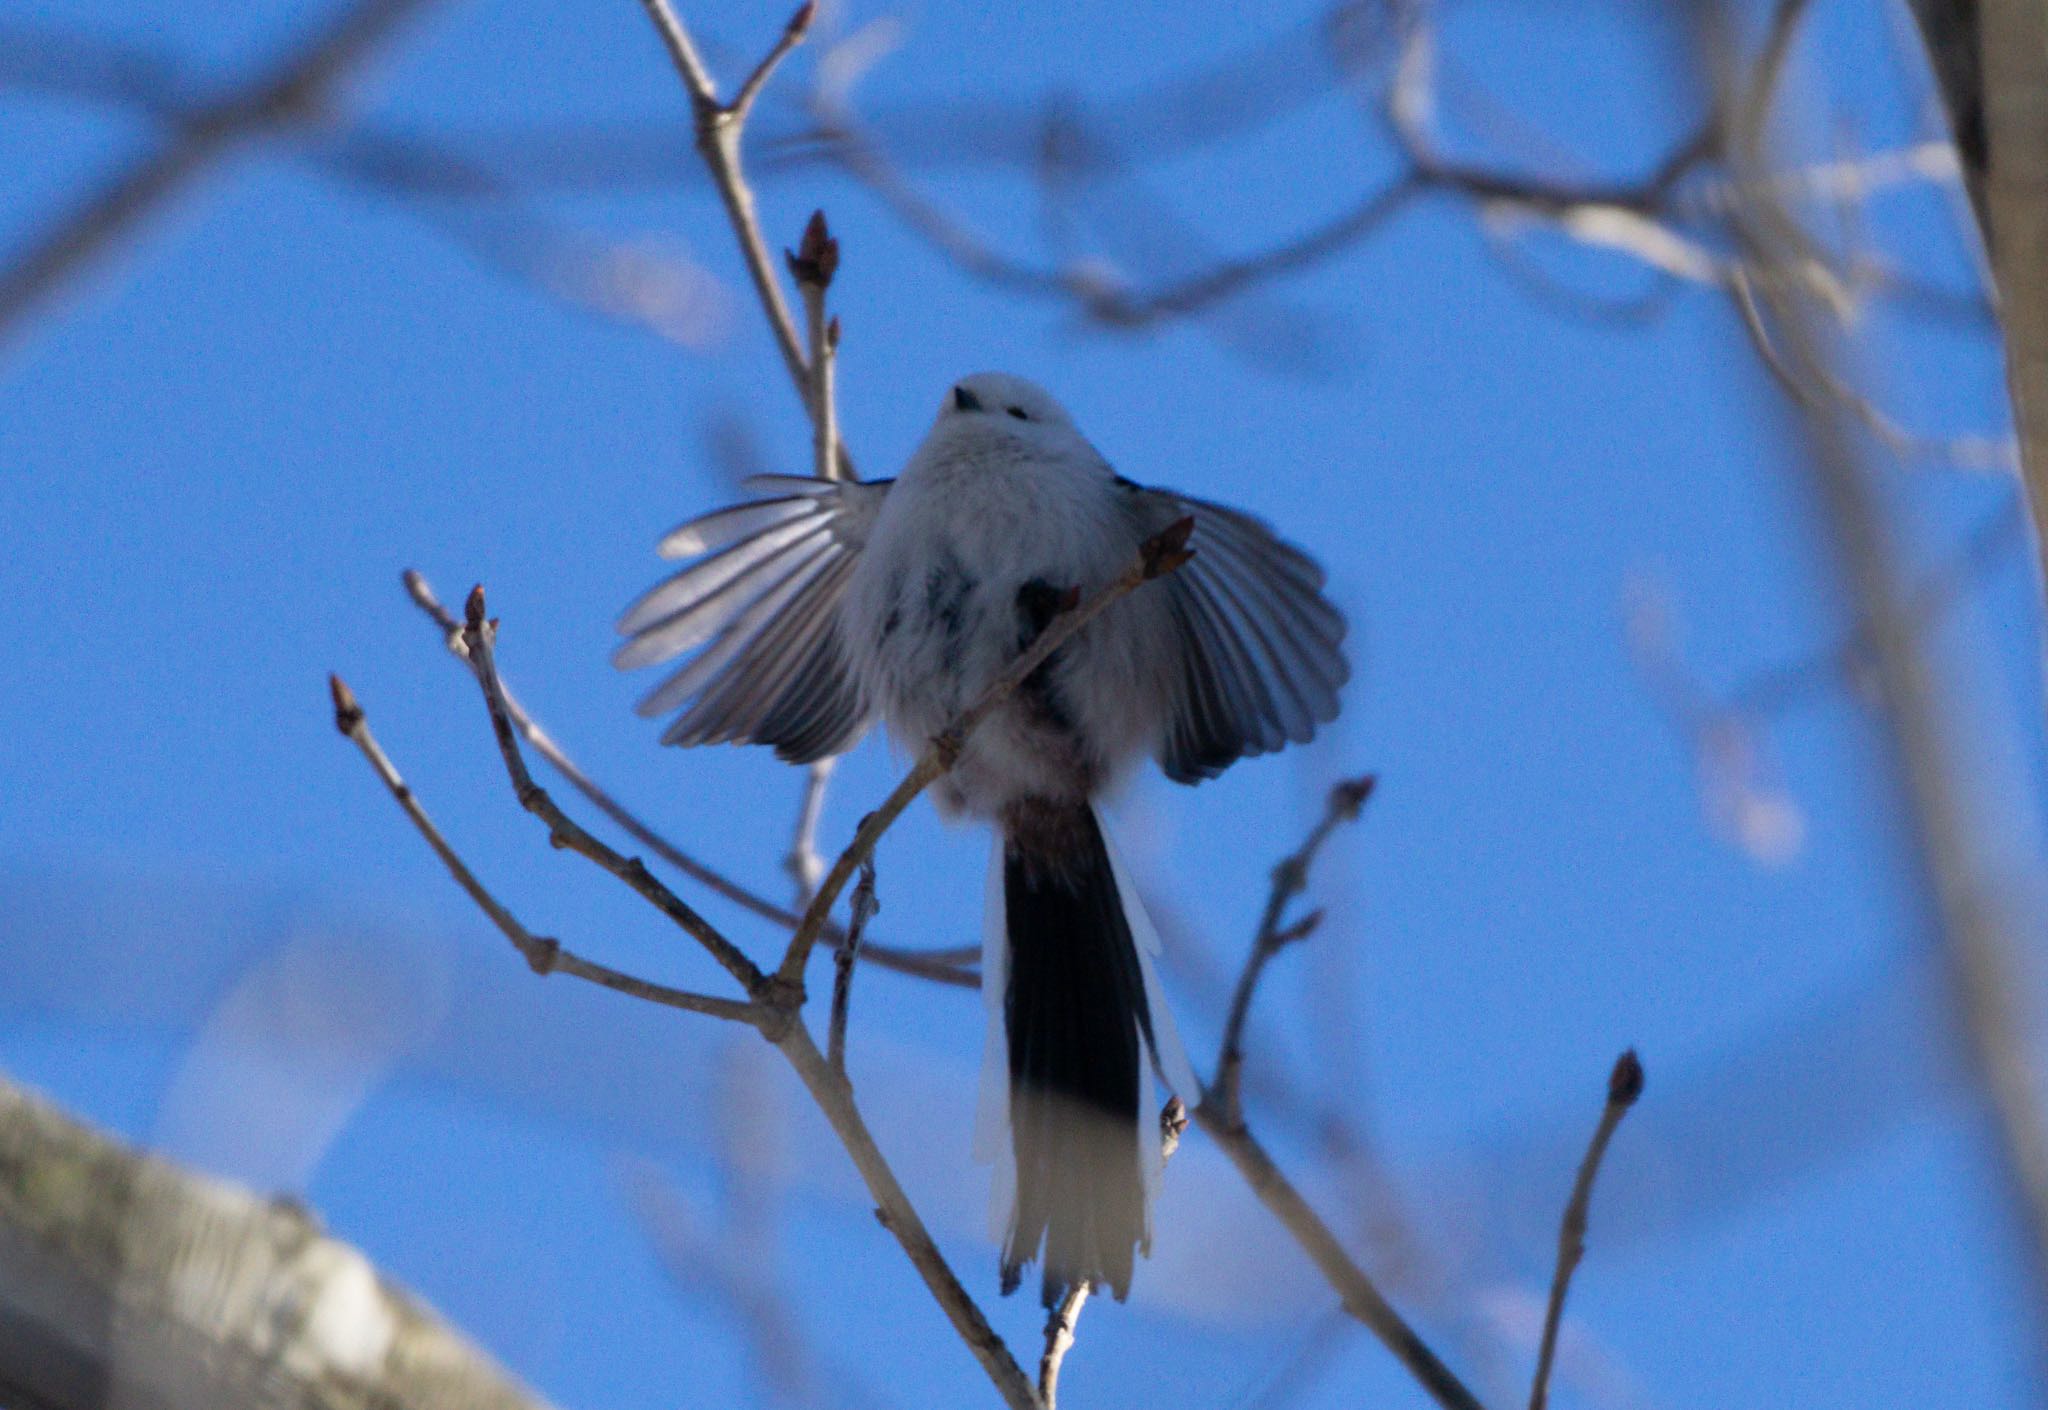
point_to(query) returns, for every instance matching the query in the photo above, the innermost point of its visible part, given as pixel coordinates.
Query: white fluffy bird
(825, 605)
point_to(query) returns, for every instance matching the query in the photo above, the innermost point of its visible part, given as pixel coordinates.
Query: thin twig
(813, 264)
(1064, 1322)
(564, 831)
(771, 1013)
(1290, 878)
(1624, 1085)
(834, 1096)
(1221, 1114)
(792, 35)
(863, 910)
(544, 955)
(1159, 555)
(951, 966)
(719, 127)
(804, 865)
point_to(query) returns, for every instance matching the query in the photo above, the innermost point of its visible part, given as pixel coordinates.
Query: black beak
(964, 400)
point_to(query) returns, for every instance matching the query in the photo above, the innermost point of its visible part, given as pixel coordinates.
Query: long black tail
(1078, 1026)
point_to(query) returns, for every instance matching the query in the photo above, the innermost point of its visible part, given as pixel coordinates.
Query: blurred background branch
(125, 1280)
(300, 89)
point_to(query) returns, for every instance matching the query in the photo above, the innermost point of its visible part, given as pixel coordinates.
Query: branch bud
(816, 258)
(1625, 1083)
(1168, 549)
(348, 714)
(1349, 796)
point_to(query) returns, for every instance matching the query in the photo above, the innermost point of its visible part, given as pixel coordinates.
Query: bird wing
(1259, 645)
(758, 614)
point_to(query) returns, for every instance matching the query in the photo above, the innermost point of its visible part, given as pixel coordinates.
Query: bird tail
(1077, 1028)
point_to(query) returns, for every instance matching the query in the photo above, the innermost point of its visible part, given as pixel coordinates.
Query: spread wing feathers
(759, 608)
(1261, 656)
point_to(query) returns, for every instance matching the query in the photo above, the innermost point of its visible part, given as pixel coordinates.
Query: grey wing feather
(1260, 648)
(757, 613)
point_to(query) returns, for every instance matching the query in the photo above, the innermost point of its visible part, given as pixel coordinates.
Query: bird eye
(1018, 412)
(964, 400)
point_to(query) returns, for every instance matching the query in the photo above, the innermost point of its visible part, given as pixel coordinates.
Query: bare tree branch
(1624, 1085)
(1360, 1296)
(2013, 64)
(719, 128)
(1977, 914)
(543, 954)
(861, 912)
(298, 89)
(1290, 878)
(774, 1009)
(1221, 1114)
(478, 635)
(951, 966)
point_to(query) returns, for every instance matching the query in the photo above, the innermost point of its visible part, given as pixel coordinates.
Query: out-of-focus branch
(300, 88)
(1726, 730)
(1978, 915)
(2013, 55)
(1624, 1085)
(726, 1260)
(127, 1280)
(1159, 555)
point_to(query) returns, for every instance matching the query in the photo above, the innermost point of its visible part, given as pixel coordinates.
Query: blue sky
(220, 447)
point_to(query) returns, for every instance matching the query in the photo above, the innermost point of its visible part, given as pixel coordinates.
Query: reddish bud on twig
(800, 22)
(816, 258)
(473, 608)
(1625, 1083)
(348, 714)
(1350, 795)
(832, 334)
(1168, 549)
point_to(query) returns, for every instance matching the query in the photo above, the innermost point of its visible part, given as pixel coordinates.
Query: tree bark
(128, 1282)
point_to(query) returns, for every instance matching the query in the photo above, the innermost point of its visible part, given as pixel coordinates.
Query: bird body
(812, 612)
(994, 521)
